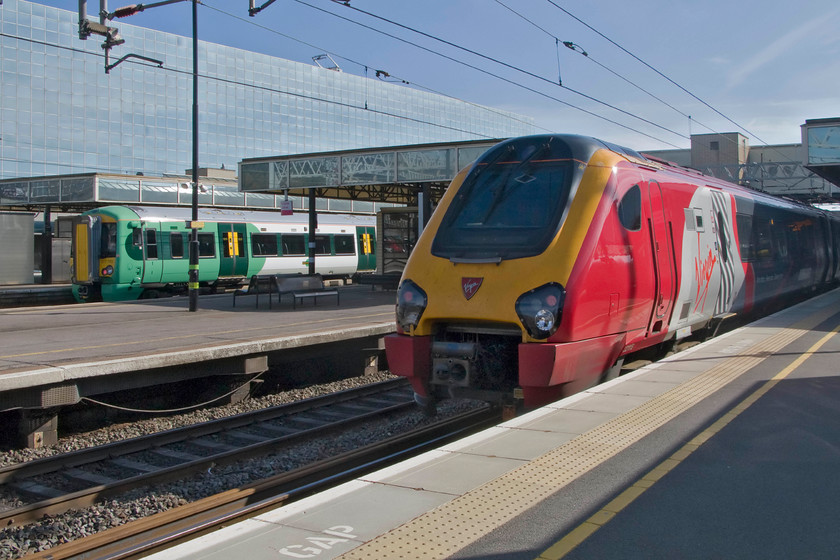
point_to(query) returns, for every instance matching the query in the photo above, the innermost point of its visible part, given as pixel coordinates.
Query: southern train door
(85, 249)
(152, 265)
(233, 260)
(663, 260)
(366, 239)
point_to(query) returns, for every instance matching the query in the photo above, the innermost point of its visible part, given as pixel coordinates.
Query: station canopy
(83, 191)
(394, 175)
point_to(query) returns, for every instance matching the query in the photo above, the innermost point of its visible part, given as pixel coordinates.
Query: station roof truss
(791, 179)
(393, 175)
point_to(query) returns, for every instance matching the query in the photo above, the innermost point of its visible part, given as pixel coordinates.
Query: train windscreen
(108, 241)
(510, 204)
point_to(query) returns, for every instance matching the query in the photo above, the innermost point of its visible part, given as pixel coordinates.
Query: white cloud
(780, 46)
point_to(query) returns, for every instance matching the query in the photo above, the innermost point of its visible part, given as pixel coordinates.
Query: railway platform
(727, 450)
(52, 356)
(24, 295)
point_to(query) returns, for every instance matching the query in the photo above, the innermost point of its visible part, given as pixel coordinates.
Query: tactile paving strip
(452, 526)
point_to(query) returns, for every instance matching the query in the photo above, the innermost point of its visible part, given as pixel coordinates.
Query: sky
(654, 71)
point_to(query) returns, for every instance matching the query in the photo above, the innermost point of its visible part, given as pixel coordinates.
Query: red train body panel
(552, 257)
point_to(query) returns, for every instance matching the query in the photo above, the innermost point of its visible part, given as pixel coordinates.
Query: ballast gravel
(15, 542)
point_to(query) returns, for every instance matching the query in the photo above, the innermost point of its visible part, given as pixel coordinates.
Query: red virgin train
(553, 257)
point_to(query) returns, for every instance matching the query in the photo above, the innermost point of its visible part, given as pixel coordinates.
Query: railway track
(143, 537)
(54, 485)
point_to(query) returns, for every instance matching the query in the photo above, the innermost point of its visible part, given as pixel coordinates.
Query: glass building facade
(60, 113)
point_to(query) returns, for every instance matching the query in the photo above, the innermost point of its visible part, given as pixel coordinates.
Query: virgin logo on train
(470, 286)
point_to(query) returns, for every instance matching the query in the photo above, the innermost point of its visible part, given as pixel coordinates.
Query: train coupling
(453, 363)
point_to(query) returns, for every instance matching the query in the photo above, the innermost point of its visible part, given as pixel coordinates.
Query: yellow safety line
(470, 516)
(196, 335)
(583, 531)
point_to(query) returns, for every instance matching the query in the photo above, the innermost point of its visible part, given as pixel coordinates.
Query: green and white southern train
(124, 253)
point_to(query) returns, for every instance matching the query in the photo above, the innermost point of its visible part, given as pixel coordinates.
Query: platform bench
(257, 284)
(303, 286)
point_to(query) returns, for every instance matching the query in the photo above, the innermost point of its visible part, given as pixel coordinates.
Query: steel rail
(97, 492)
(162, 530)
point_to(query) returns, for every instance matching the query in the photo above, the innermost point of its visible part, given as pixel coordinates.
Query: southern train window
(322, 245)
(108, 243)
(176, 245)
(344, 245)
(630, 209)
(264, 244)
(151, 244)
(294, 245)
(206, 245)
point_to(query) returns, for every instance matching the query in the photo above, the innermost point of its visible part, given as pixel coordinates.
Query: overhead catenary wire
(491, 59)
(364, 65)
(567, 12)
(255, 86)
(589, 57)
(470, 66)
(752, 134)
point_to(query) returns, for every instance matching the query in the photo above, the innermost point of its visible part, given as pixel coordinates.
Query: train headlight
(107, 271)
(540, 309)
(411, 303)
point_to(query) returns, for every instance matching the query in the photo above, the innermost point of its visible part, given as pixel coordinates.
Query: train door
(150, 242)
(366, 238)
(233, 260)
(730, 271)
(663, 259)
(84, 249)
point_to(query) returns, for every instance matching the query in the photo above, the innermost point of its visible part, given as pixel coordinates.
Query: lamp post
(193, 277)
(85, 28)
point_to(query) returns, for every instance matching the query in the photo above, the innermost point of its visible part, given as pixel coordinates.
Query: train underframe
(494, 365)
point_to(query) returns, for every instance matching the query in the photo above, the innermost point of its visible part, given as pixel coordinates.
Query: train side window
(206, 245)
(724, 241)
(745, 237)
(151, 244)
(781, 240)
(264, 244)
(630, 209)
(763, 239)
(293, 245)
(137, 237)
(322, 245)
(344, 245)
(176, 245)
